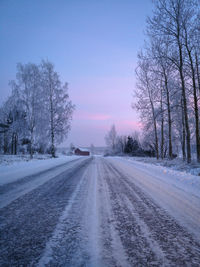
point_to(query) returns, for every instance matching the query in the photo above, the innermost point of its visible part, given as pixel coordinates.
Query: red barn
(79, 152)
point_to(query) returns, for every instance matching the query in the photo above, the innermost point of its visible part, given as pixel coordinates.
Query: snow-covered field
(96, 211)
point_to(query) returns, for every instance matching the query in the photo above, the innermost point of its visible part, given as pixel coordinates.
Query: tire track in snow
(177, 201)
(112, 250)
(13, 190)
(92, 215)
(85, 235)
(28, 222)
(178, 246)
(59, 232)
(136, 245)
(75, 239)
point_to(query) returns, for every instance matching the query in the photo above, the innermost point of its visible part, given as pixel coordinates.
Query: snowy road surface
(98, 212)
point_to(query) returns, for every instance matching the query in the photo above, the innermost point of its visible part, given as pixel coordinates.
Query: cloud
(91, 116)
(131, 123)
(127, 126)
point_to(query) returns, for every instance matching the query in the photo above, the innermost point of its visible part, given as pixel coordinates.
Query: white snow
(19, 169)
(83, 207)
(59, 231)
(106, 209)
(175, 164)
(181, 179)
(107, 219)
(177, 192)
(32, 168)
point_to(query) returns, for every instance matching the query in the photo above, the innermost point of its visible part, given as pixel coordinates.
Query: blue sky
(93, 45)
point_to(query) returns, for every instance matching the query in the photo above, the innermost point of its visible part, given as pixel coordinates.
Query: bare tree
(111, 138)
(38, 112)
(147, 95)
(28, 85)
(189, 41)
(58, 107)
(160, 54)
(168, 20)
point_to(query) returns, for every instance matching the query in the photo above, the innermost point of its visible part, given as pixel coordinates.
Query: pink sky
(93, 45)
(108, 102)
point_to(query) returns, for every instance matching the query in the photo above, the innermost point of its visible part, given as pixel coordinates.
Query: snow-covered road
(98, 212)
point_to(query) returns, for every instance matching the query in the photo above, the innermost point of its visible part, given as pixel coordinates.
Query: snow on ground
(11, 159)
(79, 218)
(98, 211)
(180, 179)
(13, 168)
(177, 192)
(175, 164)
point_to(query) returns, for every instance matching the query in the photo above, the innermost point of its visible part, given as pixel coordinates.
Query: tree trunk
(184, 104)
(169, 119)
(183, 131)
(52, 127)
(15, 144)
(162, 126)
(5, 146)
(155, 133)
(197, 70)
(196, 110)
(12, 144)
(31, 144)
(52, 143)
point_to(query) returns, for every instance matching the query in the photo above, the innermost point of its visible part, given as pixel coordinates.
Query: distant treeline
(127, 145)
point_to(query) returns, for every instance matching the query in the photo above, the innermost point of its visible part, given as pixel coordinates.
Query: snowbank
(15, 167)
(181, 179)
(175, 164)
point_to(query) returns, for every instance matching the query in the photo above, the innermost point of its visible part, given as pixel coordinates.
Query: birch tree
(39, 112)
(28, 85)
(57, 105)
(160, 53)
(168, 20)
(111, 139)
(190, 34)
(147, 96)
